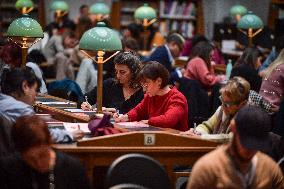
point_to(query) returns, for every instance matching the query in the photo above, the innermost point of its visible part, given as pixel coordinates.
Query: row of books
(178, 8)
(185, 28)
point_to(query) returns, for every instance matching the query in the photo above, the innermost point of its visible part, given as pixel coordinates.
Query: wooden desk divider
(57, 111)
(146, 139)
(169, 149)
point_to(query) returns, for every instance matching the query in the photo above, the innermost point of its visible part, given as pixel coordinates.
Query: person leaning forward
(240, 164)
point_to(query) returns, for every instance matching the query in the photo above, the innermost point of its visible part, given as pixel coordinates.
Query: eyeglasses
(227, 104)
(144, 85)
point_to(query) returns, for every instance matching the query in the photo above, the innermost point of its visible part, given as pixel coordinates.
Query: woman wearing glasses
(162, 106)
(234, 95)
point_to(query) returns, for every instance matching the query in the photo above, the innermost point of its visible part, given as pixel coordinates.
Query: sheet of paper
(57, 102)
(134, 124)
(76, 110)
(75, 126)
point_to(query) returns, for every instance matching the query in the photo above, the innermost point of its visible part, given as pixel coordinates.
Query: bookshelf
(128, 8)
(276, 16)
(185, 16)
(10, 13)
(178, 15)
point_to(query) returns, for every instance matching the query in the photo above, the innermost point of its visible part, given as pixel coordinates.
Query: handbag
(100, 126)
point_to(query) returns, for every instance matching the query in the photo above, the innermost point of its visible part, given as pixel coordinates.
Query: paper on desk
(47, 103)
(76, 110)
(134, 124)
(75, 126)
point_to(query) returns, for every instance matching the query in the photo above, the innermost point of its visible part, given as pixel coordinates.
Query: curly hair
(133, 63)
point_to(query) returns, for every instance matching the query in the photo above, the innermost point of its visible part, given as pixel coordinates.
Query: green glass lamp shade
(25, 27)
(250, 21)
(100, 38)
(99, 8)
(145, 12)
(59, 6)
(23, 3)
(238, 10)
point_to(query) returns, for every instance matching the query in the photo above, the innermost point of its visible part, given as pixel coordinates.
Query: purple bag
(100, 126)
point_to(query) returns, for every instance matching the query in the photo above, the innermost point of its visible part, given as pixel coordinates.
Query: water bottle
(229, 69)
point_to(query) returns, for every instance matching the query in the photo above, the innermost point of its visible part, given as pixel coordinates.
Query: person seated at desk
(272, 87)
(279, 45)
(36, 164)
(162, 106)
(217, 57)
(167, 53)
(19, 88)
(199, 67)
(123, 92)
(240, 164)
(234, 95)
(247, 66)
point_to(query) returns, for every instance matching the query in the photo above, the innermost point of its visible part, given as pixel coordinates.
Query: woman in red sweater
(162, 106)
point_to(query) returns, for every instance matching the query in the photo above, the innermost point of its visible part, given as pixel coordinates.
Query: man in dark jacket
(167, 53)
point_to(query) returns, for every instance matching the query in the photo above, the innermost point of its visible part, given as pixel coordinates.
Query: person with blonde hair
(234, 95)
(272, 87)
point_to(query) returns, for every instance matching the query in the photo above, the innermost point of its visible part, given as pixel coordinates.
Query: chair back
(128, 186)
(137, 169)
(67, 89)
(197, 101)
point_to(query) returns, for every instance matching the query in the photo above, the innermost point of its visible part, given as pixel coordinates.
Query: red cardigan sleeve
(172, 116)
(140, 112)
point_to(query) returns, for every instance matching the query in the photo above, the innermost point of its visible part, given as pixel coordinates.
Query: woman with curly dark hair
(122, 92)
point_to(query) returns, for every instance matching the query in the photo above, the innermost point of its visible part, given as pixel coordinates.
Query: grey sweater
(10, 110)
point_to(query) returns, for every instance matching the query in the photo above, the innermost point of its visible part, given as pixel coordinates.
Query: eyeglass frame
(228, 104)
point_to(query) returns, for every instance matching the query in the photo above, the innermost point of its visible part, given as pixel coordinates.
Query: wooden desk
(169, 149)
(56, 111)
(219, 68)
(181, 62)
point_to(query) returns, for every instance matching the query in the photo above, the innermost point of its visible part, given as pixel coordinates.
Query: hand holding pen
(192, 131)
(86, 105)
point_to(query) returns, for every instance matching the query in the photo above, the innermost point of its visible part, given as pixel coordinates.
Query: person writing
(234, 95)
(124, 92)
(240, 164)
(19, 88)
(162, 106)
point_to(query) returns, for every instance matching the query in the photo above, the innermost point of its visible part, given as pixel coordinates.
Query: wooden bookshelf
(172, 15)
(275, 7)
(186, 17)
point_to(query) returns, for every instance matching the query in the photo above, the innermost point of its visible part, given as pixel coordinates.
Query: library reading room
(141, 94)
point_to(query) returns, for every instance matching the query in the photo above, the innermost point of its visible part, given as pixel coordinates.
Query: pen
(78, 127)
(86, 98)
(194, 127)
